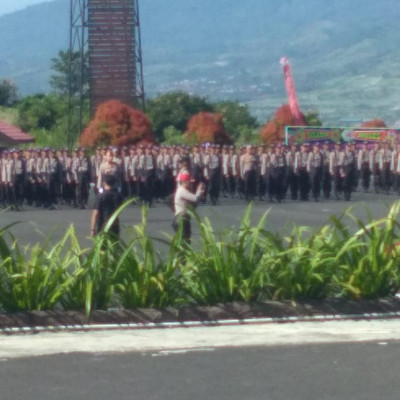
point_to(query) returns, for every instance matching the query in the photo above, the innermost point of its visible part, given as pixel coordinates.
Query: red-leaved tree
(374, 123)
(118, 124)
(274, 130)
(206, 127)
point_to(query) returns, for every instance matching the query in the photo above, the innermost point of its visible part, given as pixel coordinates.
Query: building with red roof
(11, 135)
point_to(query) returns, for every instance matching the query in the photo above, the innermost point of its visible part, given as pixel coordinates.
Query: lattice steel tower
(107, 34)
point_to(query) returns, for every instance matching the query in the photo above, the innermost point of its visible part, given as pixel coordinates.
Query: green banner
(310, 134)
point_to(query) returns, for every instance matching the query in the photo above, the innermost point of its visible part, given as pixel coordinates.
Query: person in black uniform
(106, 204)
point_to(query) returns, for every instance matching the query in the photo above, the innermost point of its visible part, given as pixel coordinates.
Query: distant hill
(344, 53)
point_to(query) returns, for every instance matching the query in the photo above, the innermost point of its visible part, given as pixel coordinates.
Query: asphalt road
(366, 371)
(36, 224)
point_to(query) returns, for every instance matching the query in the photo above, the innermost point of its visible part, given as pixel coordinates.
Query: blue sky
(8, 6)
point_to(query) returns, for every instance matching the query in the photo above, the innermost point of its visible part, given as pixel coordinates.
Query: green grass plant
(33, 279)
(144, 278)
(302, 265)
(223, 270)
(345, 258)
(368, 261)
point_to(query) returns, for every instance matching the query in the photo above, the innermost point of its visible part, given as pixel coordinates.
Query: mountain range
(343, 53)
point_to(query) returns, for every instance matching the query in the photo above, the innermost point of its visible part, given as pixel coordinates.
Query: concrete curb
(197, 324)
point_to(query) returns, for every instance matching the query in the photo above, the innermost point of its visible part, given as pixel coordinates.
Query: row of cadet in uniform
(49, 177)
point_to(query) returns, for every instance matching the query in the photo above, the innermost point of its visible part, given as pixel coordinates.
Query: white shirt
(184, 199)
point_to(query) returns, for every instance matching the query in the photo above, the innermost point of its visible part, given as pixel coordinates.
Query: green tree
(173, 136)
(8, 93)
(248, 136)
(311, 118)
(67, 67)
(45, 117)
(237, 118)
(41, 111)
(174, 109)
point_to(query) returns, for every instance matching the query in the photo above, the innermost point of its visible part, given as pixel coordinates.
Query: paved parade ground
(37, 223)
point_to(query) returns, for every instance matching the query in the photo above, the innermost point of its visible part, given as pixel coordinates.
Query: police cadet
(108, 167)
(132, 166)
(225, 170)
(8, 179)
(175, 162)
(1, 179)
(164, 172)
(386, 173)
(301, 162)
(124, 155)
(19, 179)
(205, 162)
(233, 170)
(95, 161)
(75, 165)
(54, 179)
(363, 166)
(292, 177)
(314, 169)
(196, 169)
(215, 175)
(41, 175)
(326, 175)
(348, 171)
(354, 177)
(336, 170)
(29, 185)
(262, 171)
(83, 172)
(67, 184)
(278, 168)
(155, 151)
(396, 168)
(248, 167)
(48, 191)
(147, 167)
(376, 165)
